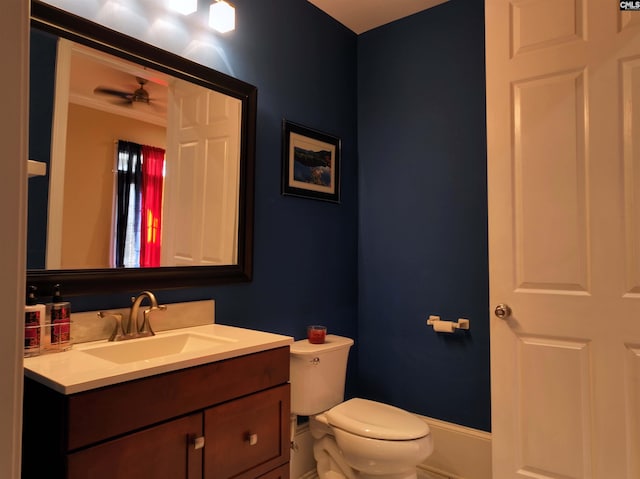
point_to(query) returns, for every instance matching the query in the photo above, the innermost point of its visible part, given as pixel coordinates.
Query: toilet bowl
(376, 439)
(358, 438)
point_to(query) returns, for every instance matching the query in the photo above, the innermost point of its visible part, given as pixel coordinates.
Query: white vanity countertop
(80, 369)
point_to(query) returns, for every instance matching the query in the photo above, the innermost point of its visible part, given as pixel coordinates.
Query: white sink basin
(142, 349)
(102, 363)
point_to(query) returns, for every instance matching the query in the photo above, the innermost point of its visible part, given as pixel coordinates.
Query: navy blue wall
(42, 73)
(423, 213)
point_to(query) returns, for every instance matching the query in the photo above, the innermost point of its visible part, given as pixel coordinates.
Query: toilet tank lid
(376, 420)
(331, 342)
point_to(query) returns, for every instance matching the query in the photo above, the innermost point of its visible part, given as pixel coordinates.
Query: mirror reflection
(210, 175)
(144, 167)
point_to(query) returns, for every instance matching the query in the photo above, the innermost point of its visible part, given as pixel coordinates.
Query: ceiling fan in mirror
(138, 95)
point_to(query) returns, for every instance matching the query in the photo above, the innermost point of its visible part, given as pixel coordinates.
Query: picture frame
(310, 163)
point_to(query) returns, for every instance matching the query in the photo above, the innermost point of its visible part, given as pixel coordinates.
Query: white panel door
(200, 207)
(563, 124)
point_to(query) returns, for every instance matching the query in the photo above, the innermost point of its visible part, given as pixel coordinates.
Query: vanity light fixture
(186, 7)
(222, 16)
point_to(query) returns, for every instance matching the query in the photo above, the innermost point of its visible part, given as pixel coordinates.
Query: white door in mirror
(203, 138)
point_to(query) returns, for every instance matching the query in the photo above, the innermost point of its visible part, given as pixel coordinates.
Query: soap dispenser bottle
(34, 317)
(60, 327)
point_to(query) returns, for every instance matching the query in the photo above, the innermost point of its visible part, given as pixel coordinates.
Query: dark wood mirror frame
(97, 281)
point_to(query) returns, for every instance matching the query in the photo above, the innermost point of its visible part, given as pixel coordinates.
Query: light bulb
(222, 16)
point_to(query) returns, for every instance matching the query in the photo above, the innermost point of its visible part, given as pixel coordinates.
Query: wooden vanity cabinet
(223, 420)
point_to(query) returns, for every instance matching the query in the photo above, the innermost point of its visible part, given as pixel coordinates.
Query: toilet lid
(376, 420)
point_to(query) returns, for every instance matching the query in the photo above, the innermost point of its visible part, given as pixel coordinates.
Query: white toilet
(358, 438)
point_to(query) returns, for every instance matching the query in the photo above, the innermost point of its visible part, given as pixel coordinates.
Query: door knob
(502, 311)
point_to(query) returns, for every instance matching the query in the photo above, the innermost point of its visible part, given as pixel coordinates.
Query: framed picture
(310, 163)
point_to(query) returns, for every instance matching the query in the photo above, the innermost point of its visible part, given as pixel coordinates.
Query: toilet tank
(318, 374)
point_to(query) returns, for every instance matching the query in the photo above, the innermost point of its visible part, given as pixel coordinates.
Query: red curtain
(152, 184)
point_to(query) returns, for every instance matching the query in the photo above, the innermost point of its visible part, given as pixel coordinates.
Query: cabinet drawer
(247, 437)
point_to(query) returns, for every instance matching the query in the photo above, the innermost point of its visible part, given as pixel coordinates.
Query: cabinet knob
(198, 442)
(252, 439)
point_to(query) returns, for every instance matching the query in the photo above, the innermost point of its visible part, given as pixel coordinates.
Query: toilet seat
(376, 420)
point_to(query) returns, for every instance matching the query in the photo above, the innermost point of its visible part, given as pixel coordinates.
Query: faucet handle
(146, 329)
(118, 332)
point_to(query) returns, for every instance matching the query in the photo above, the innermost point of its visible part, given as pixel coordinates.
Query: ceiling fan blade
(110, 91)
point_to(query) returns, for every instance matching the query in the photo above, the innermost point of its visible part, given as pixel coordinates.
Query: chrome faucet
(133, 329)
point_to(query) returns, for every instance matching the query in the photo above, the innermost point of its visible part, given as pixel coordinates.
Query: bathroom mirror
(164, 77)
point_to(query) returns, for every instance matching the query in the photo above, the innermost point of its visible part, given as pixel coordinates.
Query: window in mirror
(136, 241)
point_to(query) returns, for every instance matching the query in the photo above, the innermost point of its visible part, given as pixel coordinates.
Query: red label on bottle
(60, 325)
(32, 329)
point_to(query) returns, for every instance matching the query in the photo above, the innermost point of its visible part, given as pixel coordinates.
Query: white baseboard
(459, 453)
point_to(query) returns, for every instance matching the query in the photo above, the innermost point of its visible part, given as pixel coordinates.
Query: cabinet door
(161, 452)
(247, 437)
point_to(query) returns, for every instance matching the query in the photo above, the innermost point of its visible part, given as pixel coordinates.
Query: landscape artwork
(311, 161)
